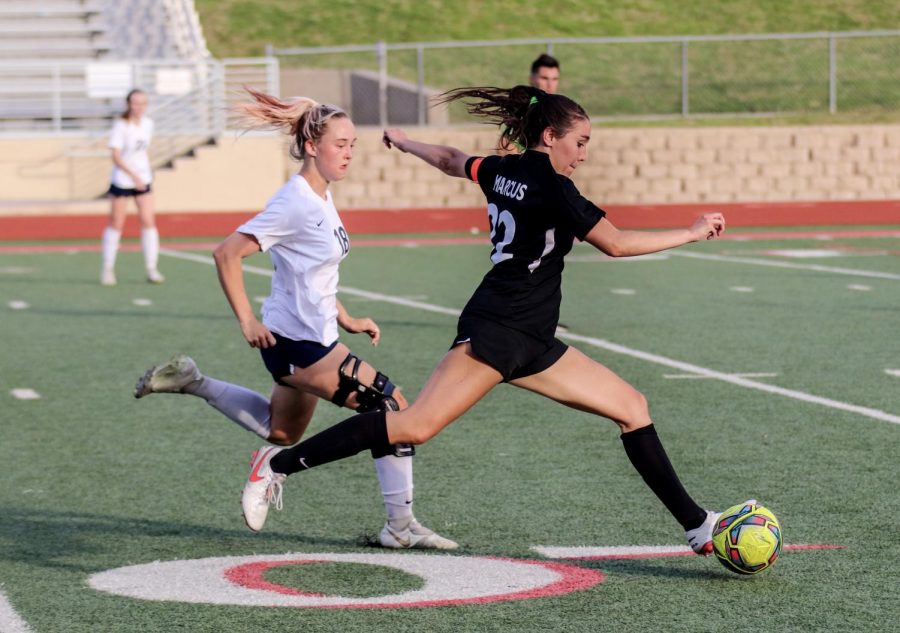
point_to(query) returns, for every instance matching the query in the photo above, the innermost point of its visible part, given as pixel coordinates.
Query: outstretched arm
(615, 243)
(449, 160)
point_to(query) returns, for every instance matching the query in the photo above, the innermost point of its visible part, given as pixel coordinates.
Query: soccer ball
(747, 538)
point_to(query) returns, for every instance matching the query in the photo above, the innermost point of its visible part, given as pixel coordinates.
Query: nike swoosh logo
(319, 223)
(254, 474)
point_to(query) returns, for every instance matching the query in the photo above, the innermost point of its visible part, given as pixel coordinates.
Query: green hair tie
(532, 101)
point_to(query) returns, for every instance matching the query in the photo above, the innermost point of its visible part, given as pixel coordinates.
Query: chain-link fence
(613, 78)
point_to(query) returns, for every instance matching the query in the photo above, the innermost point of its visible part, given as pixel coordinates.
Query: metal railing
(645, 77)
(189, 105)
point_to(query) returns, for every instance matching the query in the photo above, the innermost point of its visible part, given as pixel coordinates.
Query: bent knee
(635, 412)
(411, 430)
(418, 435)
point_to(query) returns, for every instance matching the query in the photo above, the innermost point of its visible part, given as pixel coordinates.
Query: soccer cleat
(154, 276)
(700, 538)
(107, 277)
(263, 488)
(413, 536)
(170, 377)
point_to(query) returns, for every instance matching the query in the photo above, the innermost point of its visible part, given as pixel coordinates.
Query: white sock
(110, 246)
(239, 404)
(150, 246)
(395, 474)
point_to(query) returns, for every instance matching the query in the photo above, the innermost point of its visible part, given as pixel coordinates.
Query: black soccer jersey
(535, 215)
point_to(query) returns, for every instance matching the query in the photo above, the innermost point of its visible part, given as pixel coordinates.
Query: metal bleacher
(53, 29)
(66, 65)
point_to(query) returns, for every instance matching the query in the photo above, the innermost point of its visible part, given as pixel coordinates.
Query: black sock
(362, 431)
(649, 458)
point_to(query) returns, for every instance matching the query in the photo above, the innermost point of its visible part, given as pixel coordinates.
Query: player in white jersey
(131, 177)
(298, 334)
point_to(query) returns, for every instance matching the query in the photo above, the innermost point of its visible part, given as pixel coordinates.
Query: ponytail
(522, 112)
(302, 118)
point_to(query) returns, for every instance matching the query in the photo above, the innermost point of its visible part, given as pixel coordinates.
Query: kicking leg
(582, 383)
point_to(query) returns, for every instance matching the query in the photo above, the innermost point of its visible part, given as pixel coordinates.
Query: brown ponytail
(522, 112)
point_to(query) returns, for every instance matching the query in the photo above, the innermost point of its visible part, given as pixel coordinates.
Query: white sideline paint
(892, 372)
(10, 621)
(142, 302)
(25, 394)
(17, 304)
(759, 375)
(779, 264)
(860, 287)
(810, 253)
(619, 551)
(611, 347)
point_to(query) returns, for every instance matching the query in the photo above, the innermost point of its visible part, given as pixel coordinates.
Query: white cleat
(263, 488)
(107, 277)
(413, 536)
(170, 377)
(700, 538)
(154, 276)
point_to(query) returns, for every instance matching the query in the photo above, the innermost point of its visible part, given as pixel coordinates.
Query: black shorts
(286, 354)
(118, 192)
(511, 352)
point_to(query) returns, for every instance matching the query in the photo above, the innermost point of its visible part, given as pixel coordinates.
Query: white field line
(690, 376)
(10, 621)
(853, 272)
(608, 346)
(25, 394)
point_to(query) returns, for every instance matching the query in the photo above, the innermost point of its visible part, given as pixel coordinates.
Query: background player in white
(506, 332)
(298, 334)
(131, 177)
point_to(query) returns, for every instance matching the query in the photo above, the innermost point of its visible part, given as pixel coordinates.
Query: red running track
(456, 220)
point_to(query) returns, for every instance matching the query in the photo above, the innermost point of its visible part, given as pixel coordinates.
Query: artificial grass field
(95, 480)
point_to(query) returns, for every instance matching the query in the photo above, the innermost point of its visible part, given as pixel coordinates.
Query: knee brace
(376, 396)
(370, 398)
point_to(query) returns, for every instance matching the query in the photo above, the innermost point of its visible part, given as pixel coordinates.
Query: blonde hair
(302, 118)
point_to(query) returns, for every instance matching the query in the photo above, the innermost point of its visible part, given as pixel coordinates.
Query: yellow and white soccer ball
(747, 538)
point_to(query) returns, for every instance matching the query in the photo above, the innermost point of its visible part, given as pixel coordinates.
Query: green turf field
(94, 480)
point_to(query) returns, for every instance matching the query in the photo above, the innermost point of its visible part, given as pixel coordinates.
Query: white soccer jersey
(307, 241)
(132, 141)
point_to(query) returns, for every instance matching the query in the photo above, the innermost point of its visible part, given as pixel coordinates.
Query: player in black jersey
(506, 332)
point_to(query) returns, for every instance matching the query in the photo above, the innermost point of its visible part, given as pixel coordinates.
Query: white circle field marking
(449, 580)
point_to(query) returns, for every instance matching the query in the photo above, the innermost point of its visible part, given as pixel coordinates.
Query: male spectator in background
(545, 73)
